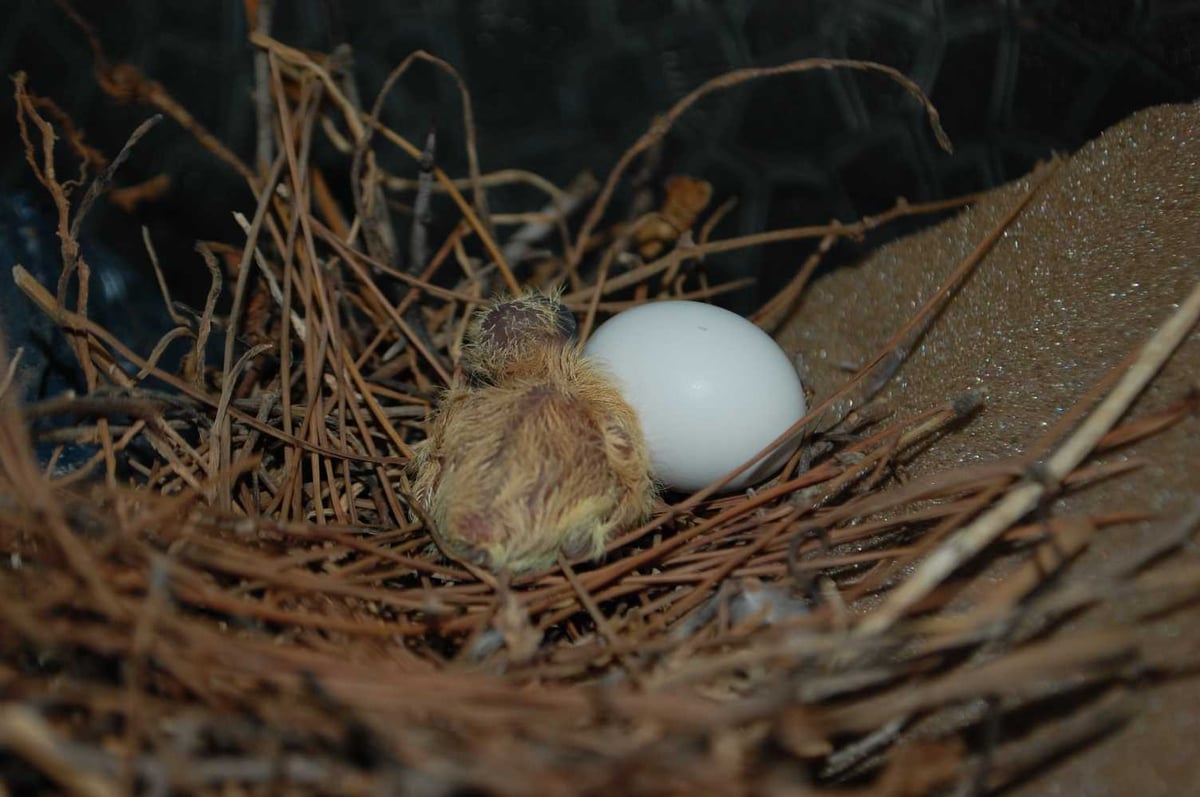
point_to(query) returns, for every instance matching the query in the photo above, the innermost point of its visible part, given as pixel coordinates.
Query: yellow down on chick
(535, 452)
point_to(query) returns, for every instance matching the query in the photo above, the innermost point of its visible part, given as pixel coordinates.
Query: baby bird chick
(537, 453)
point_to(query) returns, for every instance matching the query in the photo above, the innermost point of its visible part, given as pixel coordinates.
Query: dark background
(560, 87)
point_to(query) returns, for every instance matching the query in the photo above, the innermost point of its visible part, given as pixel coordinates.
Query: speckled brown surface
(1099, 259)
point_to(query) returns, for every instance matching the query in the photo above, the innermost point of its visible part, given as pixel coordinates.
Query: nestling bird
(535, 452)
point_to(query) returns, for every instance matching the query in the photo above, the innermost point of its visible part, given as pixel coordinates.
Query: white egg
(710, 388)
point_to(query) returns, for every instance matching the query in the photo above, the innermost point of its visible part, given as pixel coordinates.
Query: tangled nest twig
(232, 589)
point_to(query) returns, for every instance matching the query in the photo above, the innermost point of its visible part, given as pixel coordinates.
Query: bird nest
(235, 589)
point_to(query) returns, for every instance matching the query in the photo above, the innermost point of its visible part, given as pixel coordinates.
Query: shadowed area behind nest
(537, 453)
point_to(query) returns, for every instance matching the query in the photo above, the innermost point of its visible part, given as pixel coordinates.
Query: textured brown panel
(1095, 263)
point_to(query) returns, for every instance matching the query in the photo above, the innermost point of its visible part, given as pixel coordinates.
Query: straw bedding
(235, 592)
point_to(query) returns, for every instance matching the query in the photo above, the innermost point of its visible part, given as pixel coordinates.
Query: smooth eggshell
(710, 389)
